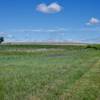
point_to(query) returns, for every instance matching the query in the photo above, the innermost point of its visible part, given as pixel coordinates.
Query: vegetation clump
(95, 46)
(1, 39)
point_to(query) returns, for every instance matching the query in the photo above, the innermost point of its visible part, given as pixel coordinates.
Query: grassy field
(49, 72)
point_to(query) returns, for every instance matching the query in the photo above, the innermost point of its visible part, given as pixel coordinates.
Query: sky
(50, 20)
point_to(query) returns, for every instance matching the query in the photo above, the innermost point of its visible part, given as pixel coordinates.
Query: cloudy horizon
(43, 20)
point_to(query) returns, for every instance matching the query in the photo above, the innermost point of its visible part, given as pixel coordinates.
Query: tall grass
(57, 73)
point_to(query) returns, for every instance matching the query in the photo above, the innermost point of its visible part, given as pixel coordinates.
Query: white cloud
(10, 36)
(42, 30)
(93, 21)
(51, 8)
(2, 33)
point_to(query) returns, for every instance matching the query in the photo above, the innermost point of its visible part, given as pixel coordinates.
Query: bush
(1, 39)
(96, 47)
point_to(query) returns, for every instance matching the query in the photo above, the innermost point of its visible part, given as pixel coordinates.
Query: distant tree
(1, 39)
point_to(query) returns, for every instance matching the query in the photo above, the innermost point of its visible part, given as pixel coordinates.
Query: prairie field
(49, 72)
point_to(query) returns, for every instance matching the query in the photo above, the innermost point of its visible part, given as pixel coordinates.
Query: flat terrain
(49, 72)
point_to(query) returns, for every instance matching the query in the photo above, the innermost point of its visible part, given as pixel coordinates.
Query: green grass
(44, 72)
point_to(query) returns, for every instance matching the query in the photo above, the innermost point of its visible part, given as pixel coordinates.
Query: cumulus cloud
(51, 8)
(93, 21)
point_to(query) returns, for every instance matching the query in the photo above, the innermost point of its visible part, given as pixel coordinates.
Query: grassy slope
(67, 73)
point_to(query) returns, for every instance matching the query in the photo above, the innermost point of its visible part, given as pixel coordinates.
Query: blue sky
(50, 20)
